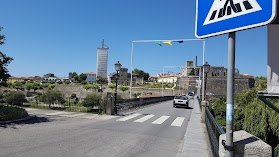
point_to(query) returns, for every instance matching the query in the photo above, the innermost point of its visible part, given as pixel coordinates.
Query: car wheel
(174, 106)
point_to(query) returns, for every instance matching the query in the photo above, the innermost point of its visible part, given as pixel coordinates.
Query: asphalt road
(155, 131)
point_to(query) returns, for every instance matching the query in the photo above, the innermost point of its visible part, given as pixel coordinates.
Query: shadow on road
(185, 107)
(35, 120)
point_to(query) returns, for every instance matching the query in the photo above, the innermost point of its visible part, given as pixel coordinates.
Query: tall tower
(102, 60)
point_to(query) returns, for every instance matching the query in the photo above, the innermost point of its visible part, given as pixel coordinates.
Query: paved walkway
(195, 140)
(47, 112)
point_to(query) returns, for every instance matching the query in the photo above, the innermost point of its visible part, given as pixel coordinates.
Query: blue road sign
(215, 17)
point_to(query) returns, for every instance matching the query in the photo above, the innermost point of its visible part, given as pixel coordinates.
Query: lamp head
(117, 66)
(206, 67)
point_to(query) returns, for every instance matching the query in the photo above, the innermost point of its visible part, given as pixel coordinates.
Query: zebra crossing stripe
(178, 121)
(129, 117)
(145, 118)
(161, 120)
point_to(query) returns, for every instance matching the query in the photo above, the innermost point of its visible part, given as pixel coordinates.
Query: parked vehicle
(180, 100)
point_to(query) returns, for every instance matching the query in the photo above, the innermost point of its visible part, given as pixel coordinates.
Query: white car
(180, 100)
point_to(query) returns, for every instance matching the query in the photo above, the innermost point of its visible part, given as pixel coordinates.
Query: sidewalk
(48, 112)
(195, 142)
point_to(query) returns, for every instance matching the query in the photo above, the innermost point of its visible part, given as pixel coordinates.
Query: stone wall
(218, 85)
(68, 90)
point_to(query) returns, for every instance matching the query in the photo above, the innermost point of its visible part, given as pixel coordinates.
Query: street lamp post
(117, 68)
(206, 68)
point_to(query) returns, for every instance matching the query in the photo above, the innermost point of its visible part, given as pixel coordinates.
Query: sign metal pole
(230, 95)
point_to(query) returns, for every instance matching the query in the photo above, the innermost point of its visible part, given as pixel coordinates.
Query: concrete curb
(30, 116)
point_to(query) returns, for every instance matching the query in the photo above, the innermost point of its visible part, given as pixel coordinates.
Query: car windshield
(181, 97)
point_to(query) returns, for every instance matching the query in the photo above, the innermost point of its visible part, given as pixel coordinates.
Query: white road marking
(76, 115)
(56, 113)
(145, 118)
(160, 120)
(178, 121)
(129, 117)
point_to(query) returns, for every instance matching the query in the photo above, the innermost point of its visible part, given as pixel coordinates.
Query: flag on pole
(181, 41)
(167, 42)
(158, 42)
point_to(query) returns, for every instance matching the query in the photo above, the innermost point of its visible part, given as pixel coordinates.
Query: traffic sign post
(216, 17)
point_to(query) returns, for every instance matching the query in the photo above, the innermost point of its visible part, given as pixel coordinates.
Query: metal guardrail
(214, 131)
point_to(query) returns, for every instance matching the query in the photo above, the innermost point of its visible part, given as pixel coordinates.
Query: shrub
(52, 82)
(59, 82)
(11, 112)
(83, 82)
(73, 96)
(44, 81)
(91, 100)
(14, 98)
(67, 82)
(44, 85)
(95, 87)
(51, 86)
(123, 88)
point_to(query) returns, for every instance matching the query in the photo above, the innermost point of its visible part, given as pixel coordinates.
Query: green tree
(4, 61)
(34, 88)
(15, 98)
(52, 96)
(141, 73)
(123, 88)
(76, 77)
(18, 84)
(74, 74)
(28, 86)
(36, 84)
(82, 77)
(95, 87)
(112, 86)
(86, 87)
(91, 100)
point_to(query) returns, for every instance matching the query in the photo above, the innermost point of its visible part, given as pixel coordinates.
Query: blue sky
(62, 36)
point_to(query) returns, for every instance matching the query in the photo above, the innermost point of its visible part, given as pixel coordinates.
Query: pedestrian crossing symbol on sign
(226, 9)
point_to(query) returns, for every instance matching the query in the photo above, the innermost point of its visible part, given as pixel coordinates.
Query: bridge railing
(129, 104)
(214, 131)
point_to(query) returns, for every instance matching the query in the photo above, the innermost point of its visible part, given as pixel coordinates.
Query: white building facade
(91, 77)
(102, 62)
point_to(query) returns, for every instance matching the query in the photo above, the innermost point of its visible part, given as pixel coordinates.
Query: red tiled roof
(27, 78)
(91, 73)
